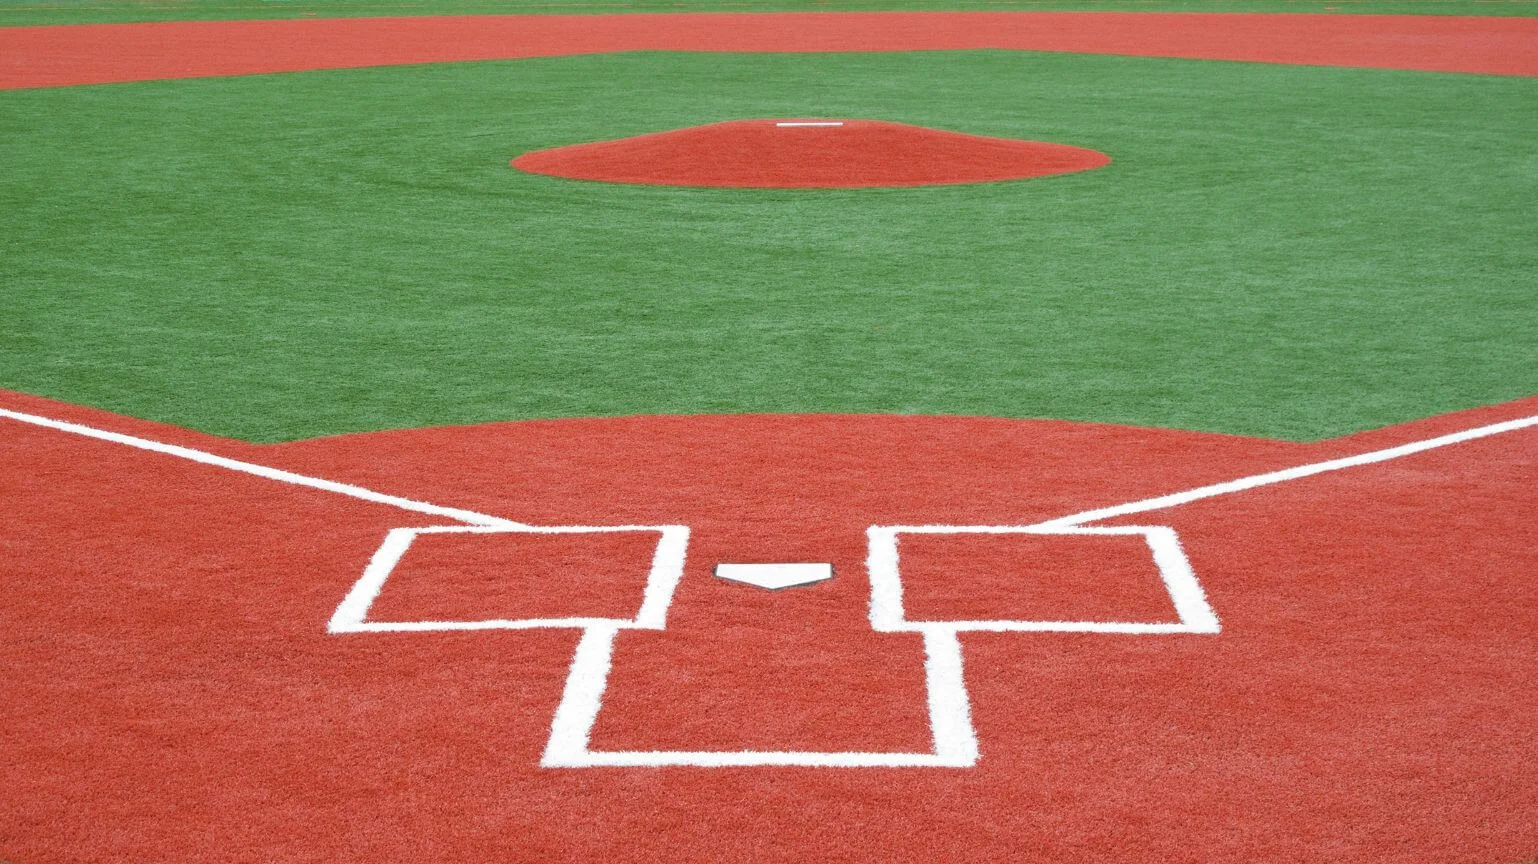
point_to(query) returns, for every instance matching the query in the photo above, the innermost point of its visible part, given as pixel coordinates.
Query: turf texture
(173, 693)
(1280, 251)
(31, 12)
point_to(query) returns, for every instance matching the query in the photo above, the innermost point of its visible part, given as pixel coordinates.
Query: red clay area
(101, 53)
(808, 154)
(172, 692)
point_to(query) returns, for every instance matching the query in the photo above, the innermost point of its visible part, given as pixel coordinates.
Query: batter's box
(1124, 579)
(516, 577)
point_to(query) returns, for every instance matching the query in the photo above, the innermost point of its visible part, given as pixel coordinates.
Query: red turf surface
(764, 154)
(171, 693)
(102, 53)
(458, 577)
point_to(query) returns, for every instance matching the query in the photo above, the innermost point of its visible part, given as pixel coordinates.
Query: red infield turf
(103, 53)
(809, 154)
(172, 692)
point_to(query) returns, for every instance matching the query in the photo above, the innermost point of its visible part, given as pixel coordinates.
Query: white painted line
(1176, 499)
(667, 567)
(587, 678)
(667, 570)
(572, 728)
(263, 471)
(1180, 580)
(950, 710)
(811, 123)
(955, 739)
(1042, 528)
(1188, 600)
(754, 759)
(572, 725)
(775, 576)
(349, 614)
(886, 587)
(488, 624)
(1121, 628)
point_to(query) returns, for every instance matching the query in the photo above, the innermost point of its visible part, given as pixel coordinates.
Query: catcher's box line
(949, 703)
(950, 720)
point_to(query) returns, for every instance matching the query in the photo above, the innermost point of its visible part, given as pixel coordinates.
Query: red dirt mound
(809, 154)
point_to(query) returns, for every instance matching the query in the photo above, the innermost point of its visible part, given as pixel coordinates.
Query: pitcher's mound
(809, 154)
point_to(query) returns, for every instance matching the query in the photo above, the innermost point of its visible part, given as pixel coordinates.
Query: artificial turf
(1282, 251)
(31, 12)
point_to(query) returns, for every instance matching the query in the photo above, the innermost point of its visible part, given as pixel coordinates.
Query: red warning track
(171, 692)
(104, 53)
(809, 154)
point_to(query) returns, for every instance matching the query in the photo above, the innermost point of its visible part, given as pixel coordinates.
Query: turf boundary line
(263, 471)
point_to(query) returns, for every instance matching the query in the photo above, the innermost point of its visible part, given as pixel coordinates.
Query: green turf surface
(20, 12)
(1283, 251)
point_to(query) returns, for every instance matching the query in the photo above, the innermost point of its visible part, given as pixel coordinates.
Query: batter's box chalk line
(955, 739)
(667, 568)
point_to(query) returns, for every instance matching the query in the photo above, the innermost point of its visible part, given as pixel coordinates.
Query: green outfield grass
(19, 12)
(1282, 251)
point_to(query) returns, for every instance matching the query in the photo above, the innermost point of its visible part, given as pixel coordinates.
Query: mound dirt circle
(809, 154)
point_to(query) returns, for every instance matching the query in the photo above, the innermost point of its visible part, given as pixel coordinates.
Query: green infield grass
(1282, 251)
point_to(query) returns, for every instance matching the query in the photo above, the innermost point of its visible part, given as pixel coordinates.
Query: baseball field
(882, 431)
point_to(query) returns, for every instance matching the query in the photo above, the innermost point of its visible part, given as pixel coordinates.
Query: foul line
(281, 476)
(1175, 499)
(1162, 502)
(954, 736)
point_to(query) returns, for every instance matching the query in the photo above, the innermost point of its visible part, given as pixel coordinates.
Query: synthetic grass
(24, 12)
(1282, 251)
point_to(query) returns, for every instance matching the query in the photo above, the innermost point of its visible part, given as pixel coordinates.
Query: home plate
(775, 576)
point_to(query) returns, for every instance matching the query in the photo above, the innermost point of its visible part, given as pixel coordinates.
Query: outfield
(363, 494)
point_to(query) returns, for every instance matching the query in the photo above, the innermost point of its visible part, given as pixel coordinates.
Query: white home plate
(775, 576)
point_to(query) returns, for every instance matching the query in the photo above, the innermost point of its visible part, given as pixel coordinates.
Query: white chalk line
(1195, 614)
(1189, 601)
(955, 743)
(1229, 487)
(950, 721)
(948, 698)
(955, 739)
(471, 517)
(200, 456)
(667, 568)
